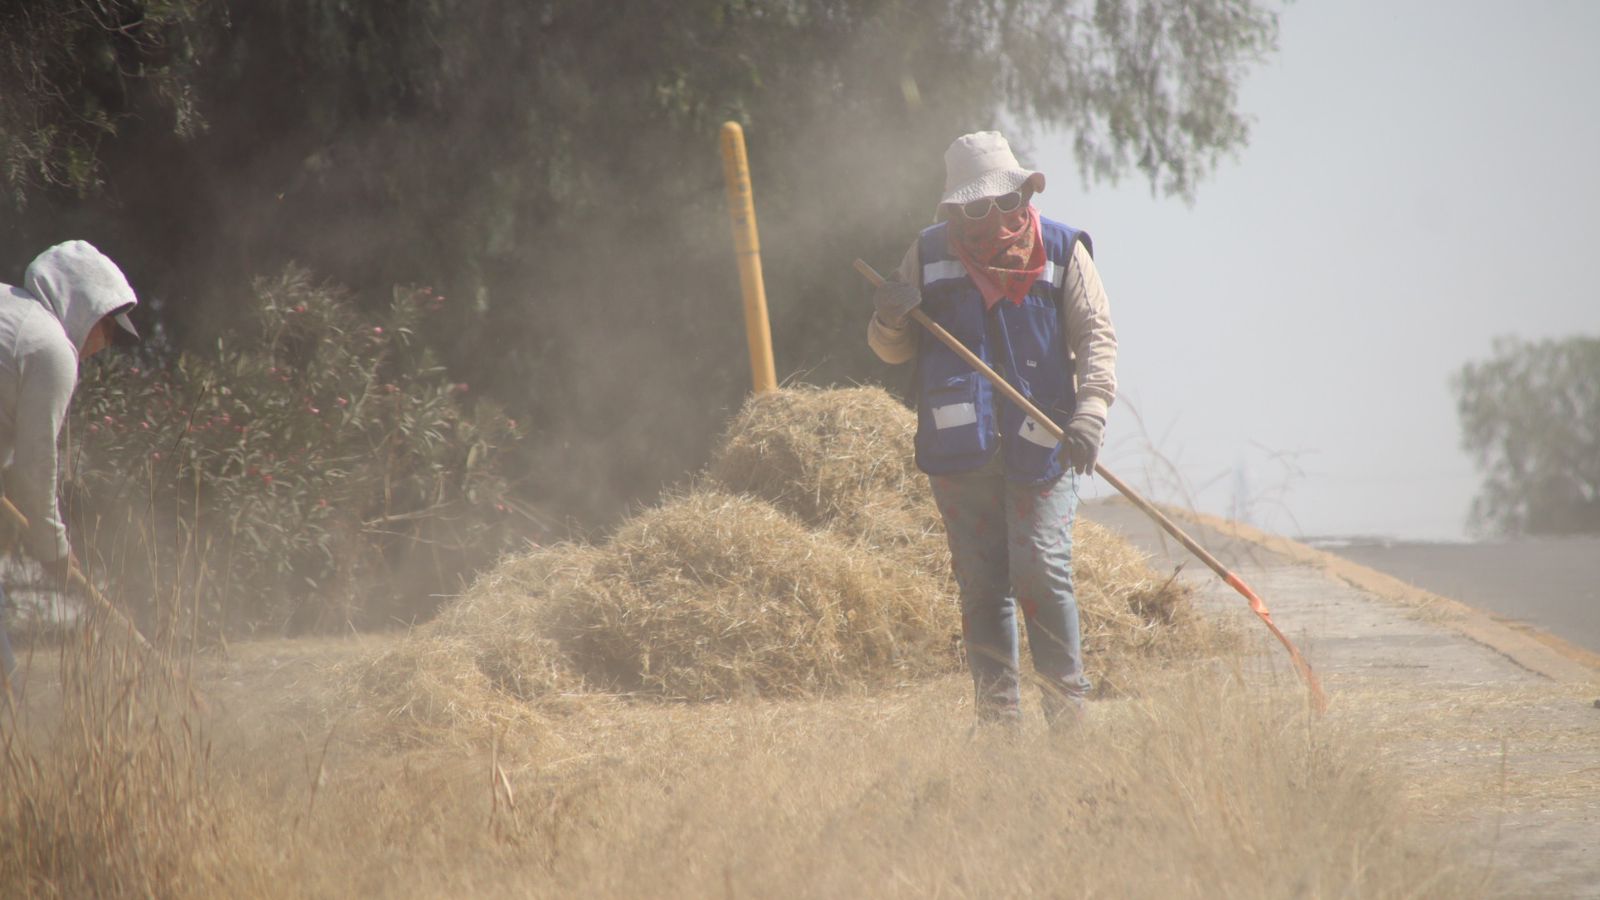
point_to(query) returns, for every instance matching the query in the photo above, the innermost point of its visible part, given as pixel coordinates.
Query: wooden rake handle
(1233, 580)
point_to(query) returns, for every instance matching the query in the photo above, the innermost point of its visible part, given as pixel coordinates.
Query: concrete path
(1495, 728)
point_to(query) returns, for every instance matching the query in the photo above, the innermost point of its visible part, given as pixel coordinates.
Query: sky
(1420, 178)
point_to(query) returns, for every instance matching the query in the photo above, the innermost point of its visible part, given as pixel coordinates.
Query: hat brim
(124, 333)
(991, 184)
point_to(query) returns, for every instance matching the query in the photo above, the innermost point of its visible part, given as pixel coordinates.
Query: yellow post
(742, 210)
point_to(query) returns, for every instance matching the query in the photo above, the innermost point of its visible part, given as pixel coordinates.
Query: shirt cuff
(1092, 406)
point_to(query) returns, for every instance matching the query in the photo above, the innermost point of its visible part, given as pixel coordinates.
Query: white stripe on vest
(946, 269)
(943, 270)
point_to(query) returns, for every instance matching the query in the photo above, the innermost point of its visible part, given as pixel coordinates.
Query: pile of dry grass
(821, 454)
(715, 595)
(840, 459)
(426, 690)
(1127, 608)
(485, 666)
(812, 562)
(709, 595)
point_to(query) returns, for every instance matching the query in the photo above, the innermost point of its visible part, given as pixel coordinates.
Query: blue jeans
(1010, 546)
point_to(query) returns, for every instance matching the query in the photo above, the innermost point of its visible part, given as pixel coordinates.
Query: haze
(1420, 178)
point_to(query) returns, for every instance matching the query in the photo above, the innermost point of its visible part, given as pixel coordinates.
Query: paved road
(1551, 583)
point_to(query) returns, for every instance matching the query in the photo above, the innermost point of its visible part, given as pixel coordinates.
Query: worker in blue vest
(1021, 291)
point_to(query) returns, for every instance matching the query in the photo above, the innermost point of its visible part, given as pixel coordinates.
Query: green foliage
(555, 166)
(1530, 416)
(315, 470)
(71, 72)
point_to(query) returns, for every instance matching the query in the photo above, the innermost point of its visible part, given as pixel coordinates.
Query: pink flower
(461, 387)
(342, 402)
(267, 480)
(377, 330)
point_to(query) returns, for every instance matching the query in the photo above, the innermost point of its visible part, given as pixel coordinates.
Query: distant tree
(1530, 416)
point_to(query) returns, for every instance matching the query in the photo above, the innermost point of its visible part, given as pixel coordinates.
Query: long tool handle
(1257, 606)
(77, 580)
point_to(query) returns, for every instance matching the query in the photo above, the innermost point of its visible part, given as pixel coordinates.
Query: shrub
(317, 469)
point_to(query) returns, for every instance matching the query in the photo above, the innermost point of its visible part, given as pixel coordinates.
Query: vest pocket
(951, 424)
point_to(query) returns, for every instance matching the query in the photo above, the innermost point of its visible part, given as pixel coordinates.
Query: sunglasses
(977, 209)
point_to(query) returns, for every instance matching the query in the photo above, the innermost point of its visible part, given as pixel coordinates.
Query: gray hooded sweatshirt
(43, 326)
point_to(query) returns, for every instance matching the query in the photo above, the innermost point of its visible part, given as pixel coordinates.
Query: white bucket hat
(981, 165)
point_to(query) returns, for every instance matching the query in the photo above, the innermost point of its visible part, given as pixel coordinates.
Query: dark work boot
(1063, 712)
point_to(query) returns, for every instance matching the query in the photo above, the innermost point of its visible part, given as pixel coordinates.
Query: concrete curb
(1531, 648)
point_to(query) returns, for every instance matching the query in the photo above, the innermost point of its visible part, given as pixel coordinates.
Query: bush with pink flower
(316, 469)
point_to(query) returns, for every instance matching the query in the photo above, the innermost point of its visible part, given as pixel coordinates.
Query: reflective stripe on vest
(961, 419)
(952, 268)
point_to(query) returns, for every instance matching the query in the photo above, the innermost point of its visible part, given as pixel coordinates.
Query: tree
(551, 168)
(1530, 416)
(72, 73)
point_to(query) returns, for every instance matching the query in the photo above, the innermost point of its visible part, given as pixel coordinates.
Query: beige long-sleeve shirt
(1090, 337)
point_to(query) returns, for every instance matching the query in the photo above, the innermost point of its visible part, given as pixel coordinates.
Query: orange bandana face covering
(1002, 252)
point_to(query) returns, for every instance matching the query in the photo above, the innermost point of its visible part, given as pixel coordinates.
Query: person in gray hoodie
(73, 303)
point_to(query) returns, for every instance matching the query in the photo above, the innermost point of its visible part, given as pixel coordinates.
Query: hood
(79, 285)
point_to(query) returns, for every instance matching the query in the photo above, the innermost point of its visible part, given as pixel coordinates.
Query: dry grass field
(750, 689)
(1197, 786)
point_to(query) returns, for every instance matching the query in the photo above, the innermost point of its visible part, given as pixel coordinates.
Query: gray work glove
(1084, 432)
(894, 302)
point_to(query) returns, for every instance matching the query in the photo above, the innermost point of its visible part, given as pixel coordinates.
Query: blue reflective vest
(961, 419)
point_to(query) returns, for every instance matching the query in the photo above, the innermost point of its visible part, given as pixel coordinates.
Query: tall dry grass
(106, 786)
(1202, 786)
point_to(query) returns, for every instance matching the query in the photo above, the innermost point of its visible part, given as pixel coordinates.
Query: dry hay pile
(811, 562)
(840, 459)
(716, 595)
(1126, 610)
(484, 665)
(428, 688)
